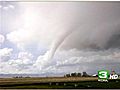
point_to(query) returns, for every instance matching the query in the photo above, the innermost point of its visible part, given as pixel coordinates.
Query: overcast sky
(59, 37)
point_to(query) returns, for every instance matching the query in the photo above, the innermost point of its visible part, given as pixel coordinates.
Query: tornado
(56, 44)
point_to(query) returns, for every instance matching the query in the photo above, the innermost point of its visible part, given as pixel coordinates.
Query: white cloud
(73, 60)
(34, 27)
(20, 37)
(5, 67)
(5, 54)
(90, 56)
(42, 61)
(11, 6)
(24, 55)
(2, 38)
(7, 7)
(0, 6)
(21, 64)
(65, 61)
(24, 58)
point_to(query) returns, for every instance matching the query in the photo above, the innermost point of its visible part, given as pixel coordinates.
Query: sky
(59, 37)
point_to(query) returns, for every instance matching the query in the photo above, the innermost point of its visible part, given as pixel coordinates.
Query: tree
(73, 74)
(67, 75)
(79, 74)
(85, 74)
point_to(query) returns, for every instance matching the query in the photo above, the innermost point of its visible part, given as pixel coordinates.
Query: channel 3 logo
(104, 75)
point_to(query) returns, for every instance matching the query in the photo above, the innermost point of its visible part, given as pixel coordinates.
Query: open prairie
(56, 82)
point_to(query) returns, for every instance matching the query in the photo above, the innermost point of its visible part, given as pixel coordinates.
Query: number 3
(103, 74)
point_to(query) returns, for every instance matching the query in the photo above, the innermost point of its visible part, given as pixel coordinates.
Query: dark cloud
(96, 25)
(114, 41)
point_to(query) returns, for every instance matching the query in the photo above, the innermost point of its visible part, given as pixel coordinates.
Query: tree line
(84, 74)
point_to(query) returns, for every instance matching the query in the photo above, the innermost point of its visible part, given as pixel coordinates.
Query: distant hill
(29, 75)
(14, 75)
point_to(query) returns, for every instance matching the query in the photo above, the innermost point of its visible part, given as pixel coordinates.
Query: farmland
(56, 82)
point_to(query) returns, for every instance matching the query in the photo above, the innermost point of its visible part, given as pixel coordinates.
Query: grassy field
(57, 82)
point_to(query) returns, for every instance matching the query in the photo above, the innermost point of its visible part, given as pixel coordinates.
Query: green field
(57, 82)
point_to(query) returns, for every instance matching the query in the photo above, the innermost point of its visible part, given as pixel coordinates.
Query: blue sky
(59, 37)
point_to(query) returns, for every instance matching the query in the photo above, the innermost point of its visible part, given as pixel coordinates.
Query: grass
(57, 82)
